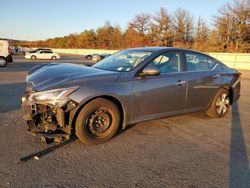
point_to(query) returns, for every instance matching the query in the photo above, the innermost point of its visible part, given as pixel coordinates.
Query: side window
(211, 62)
(169, 62)
(198, 62)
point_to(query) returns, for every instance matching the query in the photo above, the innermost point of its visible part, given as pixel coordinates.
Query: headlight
(52, 96)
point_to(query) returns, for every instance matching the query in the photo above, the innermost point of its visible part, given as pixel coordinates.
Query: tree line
(229, 32)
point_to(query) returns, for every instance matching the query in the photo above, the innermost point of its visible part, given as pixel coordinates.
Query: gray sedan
(128, 87)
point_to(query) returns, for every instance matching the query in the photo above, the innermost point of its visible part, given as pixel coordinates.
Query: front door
(156, 96)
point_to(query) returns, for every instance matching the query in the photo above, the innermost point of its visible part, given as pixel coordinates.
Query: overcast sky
(35, 20)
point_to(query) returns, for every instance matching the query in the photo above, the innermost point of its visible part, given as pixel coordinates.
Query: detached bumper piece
(50, 123)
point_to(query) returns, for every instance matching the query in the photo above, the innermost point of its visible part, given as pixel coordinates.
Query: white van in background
(5, 53)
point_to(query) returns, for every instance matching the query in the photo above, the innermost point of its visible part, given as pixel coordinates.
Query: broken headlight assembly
(53, 97)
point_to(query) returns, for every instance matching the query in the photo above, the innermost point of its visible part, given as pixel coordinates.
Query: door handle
(181, 82)
(216, 76)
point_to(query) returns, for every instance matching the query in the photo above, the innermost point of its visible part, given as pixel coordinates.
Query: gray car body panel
(142, 98)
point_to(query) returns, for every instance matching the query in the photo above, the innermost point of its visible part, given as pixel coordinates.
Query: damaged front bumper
(47, 120)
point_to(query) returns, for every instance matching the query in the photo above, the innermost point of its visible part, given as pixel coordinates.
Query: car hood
(58, 75)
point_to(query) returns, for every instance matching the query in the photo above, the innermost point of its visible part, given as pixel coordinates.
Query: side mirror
(150, 71)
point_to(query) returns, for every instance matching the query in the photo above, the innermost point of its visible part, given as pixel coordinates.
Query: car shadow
(10, 96)
(239, 166)
(121, 131)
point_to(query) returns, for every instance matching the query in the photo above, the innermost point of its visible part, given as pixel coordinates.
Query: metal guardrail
(233, 60)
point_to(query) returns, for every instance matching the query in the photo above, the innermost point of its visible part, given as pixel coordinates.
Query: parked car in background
(96, 57)
(99, 57)
(88, 56)
(128, 87)
(36, 50)
(42, 54)
(5, 53)
(17, 50)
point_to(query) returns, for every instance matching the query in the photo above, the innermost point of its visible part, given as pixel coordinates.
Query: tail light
(239, 74)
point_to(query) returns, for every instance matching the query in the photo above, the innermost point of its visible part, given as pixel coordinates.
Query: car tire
(98, 121)
(33, 57)
(220, 104)
(3, 62)
(53, 58)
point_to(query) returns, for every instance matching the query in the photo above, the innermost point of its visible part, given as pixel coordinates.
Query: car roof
(40, 49)
(152, 49)
(156, 49)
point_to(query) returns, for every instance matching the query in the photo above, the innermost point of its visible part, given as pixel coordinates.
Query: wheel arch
(228, 88)
(230, 91)
(108, 97)
(33, 55)
(3, 58)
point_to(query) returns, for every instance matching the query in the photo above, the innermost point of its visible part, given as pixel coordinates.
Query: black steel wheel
(98, 121)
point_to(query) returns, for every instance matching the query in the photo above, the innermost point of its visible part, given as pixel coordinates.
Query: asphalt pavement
(184, 151)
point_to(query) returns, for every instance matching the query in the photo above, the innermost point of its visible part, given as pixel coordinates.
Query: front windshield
(123, 61)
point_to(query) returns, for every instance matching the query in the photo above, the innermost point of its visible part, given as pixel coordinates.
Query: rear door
(203, 79)
(156, 96)
(48, 54)
(40, 54)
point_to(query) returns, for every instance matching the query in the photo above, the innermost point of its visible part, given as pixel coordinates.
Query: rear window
(198, 62)
(46, 52)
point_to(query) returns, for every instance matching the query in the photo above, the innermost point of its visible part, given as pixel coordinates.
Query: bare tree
(183, 26)
(222, 23)
(141, 23)
(161, 27)
(201, 35)
(232, 23)
(240, 10)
